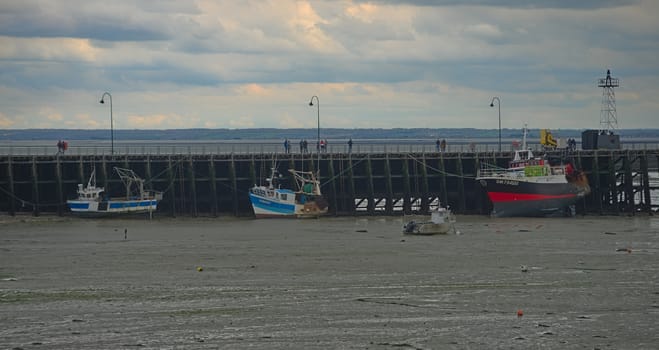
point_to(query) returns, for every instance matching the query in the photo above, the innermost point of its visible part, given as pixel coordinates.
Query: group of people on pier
(440, 146)
(321, 146)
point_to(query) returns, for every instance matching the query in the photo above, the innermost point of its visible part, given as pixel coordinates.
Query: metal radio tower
(608, 115)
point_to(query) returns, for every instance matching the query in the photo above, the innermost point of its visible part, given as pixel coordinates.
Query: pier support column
(425, 192)
(10, 182)
(389, 206)
(213, 183)
(81, 172)
(461, 185)
(252, 170)
(35, 187)
(628, 184)
(193, 185)
(104, 172)
(351, 186)
(612, 196)
(171, 187)
(370, 189)
(581, 205)
(442, 180)
(407, 190)
(147, 171)
(234, 185)
(596, 187)
(645, 184)
(333, 185)
(479, 195)
(58, 185)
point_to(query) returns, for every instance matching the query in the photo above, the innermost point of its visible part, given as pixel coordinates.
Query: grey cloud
(117, 24)
(556, 4)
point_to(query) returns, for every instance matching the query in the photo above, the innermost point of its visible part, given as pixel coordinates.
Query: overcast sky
(373, 64)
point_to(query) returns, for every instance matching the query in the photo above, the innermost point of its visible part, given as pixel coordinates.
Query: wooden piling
(351, 186)
(10, 184)
(334, 204)
(645, 184)
(171, 188)
(425, 192)
(234, 184)
(442, 180)
(213, 183)
(407, 190)
(35, 187)
(193, 186)
(628, 184)
(370, 190)
(58, 186)
(389, 206)
(462, 202)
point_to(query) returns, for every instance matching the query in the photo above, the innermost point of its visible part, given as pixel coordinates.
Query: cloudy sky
(373, 64)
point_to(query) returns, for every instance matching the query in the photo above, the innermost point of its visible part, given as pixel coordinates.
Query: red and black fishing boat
(531, 186)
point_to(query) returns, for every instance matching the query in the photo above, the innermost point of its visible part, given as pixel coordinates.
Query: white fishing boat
(270, 200)
(441, 221)
(93, 201)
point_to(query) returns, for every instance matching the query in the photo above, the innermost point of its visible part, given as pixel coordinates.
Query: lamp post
(318, 142)
(102, 101)
(498, 104)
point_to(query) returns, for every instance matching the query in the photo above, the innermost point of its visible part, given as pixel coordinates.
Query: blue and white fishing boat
(93, 201)
(272, 201)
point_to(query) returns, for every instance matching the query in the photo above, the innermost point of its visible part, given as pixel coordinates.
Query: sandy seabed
(329, 283)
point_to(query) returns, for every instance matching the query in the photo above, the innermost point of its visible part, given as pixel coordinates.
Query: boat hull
(265, 207)
(519, 197)
(112, 207)
(427, 228)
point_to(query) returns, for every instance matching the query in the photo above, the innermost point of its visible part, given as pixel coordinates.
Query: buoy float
(520, 313)
(199, 268)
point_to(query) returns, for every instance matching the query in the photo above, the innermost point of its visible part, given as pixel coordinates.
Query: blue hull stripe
(78, 205)
(82, 206)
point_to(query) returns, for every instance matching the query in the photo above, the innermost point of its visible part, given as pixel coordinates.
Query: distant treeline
(272, 133)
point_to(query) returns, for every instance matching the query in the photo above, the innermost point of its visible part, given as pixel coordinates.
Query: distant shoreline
(264, 134)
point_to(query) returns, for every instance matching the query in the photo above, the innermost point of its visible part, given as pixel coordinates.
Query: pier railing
(91, 148)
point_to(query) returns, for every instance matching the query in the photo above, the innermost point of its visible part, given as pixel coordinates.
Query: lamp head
(311, 103)
(492, 104)
(101, 101)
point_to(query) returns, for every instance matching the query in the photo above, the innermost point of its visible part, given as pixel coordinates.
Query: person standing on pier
(442, 145)
(350, 145)
(437, 145)
(286, 145)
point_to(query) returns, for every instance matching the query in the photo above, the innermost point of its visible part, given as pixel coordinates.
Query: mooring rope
(440, 171)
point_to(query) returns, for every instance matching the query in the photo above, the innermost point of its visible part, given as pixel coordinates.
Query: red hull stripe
(510, 197)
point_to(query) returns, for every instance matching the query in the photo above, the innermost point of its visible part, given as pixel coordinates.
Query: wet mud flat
(347, 283)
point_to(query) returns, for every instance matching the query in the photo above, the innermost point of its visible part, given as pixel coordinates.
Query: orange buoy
(520, 313)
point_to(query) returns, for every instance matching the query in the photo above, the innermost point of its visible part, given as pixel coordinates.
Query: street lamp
(111, 127)
(498, 104)
(318, 142)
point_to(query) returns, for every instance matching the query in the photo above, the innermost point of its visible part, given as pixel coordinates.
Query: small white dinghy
(441, 221)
